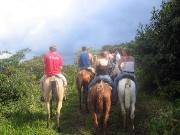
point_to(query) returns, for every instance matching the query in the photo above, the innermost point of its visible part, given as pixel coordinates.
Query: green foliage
(13, 78)
(15, 59)
(158, 48)
(14, 84)
(34, 66)
(165, 120)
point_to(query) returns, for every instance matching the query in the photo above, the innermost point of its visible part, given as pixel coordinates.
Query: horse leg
(48, 113)
(132, 115)
(65, 94)
(106, 115)
(123, 111)
(95, 119)
(79, 92)
(86, 102)
(59, 106)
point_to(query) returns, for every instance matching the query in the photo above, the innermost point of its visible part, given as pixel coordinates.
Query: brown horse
(99, 102)
(83, 78)
(53, 87)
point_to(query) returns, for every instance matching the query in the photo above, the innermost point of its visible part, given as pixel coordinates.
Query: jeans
(125, 75)
(107, 79)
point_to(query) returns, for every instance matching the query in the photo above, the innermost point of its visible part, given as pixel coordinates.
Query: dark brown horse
(99, 102)
(83, 78)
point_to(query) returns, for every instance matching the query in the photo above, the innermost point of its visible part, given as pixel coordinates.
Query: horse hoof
(47, 125)
(65, 98)
(59, 129)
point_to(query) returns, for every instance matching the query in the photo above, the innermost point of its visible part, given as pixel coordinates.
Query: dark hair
(103, 54)
(127, 51)
(52, 48)
(84, 48)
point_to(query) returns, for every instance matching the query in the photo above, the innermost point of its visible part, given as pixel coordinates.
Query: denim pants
(124, 75)
(107, 79)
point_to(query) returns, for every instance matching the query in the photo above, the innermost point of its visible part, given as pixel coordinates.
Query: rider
(90, 57)
(53, 63)
(85, 59)
(117, 56)
(111, 56)
(102, 70)
(126, 63)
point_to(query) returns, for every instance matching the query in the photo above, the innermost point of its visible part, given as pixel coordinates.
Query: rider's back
(128, 64)
(53, 62)
(84, 61)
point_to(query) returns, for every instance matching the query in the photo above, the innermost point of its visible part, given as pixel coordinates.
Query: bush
(165, 121)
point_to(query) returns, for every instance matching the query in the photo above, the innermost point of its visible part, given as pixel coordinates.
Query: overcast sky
(70, 24)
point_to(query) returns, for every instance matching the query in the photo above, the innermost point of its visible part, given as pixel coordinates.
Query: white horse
(52, 87)
(127, 97)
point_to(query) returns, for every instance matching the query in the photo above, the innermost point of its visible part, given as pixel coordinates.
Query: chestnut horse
(52, 87)
(83, 78)
(99, 102)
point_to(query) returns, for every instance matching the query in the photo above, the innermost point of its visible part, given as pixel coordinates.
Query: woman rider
(127, 66)
(102, 70)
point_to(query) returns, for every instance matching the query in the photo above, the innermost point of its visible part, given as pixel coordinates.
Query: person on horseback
(90, 57)
(53, 64)
(111, 55)
(126, 63)
(117, 56)
(85, 59)
(102, 70)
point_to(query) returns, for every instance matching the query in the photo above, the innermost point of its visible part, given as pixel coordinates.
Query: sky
(70, 24)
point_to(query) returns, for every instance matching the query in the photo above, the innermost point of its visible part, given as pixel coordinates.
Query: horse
(127, 97)
(52, 88)
(99, 102)
(83, 78)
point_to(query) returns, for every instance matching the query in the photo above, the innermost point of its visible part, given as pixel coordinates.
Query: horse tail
(79, 81)
(99, 98)
(127, 93)
(54, 90)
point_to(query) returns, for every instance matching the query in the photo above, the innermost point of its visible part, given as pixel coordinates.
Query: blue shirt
(84, 61)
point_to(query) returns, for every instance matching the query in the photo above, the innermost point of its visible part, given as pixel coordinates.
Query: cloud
(69, 23)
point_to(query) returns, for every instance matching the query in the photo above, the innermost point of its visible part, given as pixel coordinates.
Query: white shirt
(118, 57)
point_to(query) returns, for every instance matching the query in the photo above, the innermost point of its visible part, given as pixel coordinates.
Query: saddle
(89, 70)
(56, 77)
(129, 76)
(101, 78)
